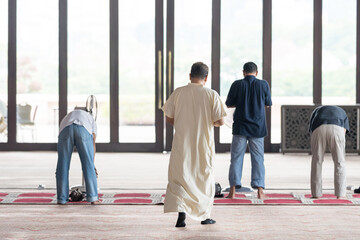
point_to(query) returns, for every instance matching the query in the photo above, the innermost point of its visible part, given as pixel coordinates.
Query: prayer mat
(34, 198)
(104, 198)
(289, 199)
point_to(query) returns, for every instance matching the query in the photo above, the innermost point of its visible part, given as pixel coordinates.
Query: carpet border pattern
(34, 198)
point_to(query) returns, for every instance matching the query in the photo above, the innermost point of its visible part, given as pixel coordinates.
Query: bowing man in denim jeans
(249, 96)
(78, 128)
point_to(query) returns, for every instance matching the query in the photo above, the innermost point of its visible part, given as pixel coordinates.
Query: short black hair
(250, 67)
(199, 70)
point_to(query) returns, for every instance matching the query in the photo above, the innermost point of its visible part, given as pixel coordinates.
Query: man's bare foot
(261, 194)
(95, 203)
(231, 193)
(341, 197)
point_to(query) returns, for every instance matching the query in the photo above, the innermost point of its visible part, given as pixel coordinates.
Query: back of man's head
(250, 67)
(199, 70)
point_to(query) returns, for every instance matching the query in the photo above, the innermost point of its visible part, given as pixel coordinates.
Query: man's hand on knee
(96, 172)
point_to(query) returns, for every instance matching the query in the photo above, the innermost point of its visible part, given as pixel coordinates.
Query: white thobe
(191, 185)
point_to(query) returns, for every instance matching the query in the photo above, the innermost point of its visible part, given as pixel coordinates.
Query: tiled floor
(126, 172)
(149, 170)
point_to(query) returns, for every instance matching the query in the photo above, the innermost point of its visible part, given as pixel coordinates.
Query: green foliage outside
(241, 41)
(137, 109)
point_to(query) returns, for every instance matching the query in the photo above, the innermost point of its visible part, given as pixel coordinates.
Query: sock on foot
(181, 220)
(208, 221)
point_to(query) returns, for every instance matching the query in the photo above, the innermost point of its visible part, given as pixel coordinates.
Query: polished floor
(133, 172)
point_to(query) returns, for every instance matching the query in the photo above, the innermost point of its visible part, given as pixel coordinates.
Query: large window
(292, 58)
(241, 42)
(3, 69)
(37, 70)
(136, 71)
(339, 52)
(88, 59)
(136, 32)
(192, 43)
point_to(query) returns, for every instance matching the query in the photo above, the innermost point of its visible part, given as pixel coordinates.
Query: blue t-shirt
(328, 115)
(250, 96)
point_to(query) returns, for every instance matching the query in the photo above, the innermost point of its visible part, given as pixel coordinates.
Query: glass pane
(3, 69)
(137, 71)
(292, 58)
(339, 52)
(37, 70)
(192, 38)
(241, 42)
(88, 59)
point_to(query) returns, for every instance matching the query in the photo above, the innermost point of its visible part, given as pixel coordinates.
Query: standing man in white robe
(193, 110)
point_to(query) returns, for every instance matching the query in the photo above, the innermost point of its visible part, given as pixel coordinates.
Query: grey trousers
(333, 137)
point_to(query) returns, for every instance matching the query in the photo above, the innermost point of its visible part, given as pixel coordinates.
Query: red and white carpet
(156, 198)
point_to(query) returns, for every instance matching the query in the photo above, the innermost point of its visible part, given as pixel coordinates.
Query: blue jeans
(256, 148)
(75, 135)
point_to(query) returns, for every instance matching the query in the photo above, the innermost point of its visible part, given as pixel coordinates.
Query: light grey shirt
(79, 117)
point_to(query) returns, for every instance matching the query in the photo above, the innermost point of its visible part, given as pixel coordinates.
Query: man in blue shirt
(328, 125)
(249, 96)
